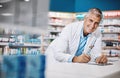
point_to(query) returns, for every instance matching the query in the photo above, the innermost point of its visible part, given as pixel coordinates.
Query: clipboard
(99, 64)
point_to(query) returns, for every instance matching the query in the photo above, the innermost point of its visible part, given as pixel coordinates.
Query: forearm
(62, 57)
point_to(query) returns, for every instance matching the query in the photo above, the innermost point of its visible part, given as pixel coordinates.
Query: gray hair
(95, 11)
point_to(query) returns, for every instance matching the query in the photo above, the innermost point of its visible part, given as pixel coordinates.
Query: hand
(102, 59)
(84, 58)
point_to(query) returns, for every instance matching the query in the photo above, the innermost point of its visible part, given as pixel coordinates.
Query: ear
(85, 17)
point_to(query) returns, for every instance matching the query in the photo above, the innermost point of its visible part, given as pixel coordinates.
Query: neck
(85, 34)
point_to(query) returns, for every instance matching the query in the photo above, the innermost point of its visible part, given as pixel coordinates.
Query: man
(74, 42)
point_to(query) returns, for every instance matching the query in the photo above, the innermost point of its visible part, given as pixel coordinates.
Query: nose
(92, 25)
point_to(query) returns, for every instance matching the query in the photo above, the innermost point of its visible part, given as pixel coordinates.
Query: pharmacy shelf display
(19, 44)
(111, 37)
(57, 21)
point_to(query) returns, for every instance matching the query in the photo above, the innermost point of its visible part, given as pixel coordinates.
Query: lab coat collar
(82, 36)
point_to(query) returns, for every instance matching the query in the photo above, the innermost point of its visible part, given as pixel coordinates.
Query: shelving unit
(19, 43)
(110, 30)
(20, 53)
(57, 21)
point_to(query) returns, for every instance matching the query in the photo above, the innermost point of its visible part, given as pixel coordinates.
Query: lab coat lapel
(77, 38)
(88, 44)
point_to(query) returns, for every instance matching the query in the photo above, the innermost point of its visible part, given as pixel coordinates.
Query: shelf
(57, 24)
(112, 56)
(110, 32)
(65, 18)
(47, 38)
(3, 43)
(31, 45)
(63, 15)
(109, 47)
(116, 25)
(111, 40)
(25, 45)
(19, 44)
(55, 31)
(9, 35)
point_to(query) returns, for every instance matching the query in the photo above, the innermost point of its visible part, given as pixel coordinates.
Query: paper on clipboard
(99, 64)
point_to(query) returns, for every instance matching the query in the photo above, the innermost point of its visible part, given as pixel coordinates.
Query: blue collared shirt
(82, 43)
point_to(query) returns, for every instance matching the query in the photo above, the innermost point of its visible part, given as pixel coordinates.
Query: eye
(96, 23)
(90, 20)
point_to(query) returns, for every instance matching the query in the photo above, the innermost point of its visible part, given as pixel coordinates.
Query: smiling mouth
(90, 29)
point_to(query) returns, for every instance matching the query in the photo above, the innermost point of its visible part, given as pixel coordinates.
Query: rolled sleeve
(70, 59)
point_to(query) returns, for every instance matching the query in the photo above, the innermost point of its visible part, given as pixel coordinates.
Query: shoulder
(74, 25)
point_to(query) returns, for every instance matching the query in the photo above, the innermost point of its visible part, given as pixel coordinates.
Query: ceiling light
(7, 14)
(1, 6)
(27, 0)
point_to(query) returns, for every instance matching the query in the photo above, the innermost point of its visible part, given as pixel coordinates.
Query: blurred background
(27, 27)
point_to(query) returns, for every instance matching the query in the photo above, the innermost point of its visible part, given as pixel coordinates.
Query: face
(91, 23)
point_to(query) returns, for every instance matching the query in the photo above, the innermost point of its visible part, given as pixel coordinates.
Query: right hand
(84, 58)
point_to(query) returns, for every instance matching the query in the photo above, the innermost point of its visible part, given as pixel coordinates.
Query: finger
(102, 59)
(87, 56)
(85, 59)
(105, 60)
(98, 59)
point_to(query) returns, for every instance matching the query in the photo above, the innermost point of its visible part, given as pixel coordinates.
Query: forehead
(94, 17)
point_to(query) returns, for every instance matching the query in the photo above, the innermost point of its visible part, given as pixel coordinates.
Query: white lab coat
(66, 45)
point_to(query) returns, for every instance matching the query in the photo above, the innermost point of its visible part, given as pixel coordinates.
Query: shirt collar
(82, 36)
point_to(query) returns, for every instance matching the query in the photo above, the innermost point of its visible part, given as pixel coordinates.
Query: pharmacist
(79, 41)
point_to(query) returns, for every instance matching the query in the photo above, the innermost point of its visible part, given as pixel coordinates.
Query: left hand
(102, 59)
